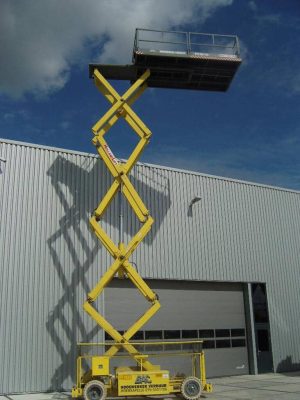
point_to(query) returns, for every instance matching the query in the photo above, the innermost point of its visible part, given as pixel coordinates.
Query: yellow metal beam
(104, 281)
(121, 105)
(139, 282)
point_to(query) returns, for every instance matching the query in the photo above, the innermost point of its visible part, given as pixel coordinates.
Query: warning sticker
(111, 154)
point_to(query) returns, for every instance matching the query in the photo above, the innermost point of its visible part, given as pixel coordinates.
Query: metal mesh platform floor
(179, 60)
(198, 73)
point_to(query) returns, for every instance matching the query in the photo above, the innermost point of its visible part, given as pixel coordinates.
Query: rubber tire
(189, 380)
(99, 386)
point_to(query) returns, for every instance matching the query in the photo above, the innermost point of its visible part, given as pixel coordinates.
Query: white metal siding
(49, 259)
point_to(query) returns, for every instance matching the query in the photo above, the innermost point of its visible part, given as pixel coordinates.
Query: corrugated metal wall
(49, 258)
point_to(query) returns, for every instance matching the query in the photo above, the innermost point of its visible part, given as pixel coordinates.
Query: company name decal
(144, 388)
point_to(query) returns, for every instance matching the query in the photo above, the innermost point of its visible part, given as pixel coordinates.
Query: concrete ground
(266, 386)
(254, 387)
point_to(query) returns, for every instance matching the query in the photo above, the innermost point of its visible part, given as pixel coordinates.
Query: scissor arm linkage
(121, 108)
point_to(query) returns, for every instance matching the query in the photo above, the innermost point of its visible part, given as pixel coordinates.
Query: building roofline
(183, 171)
(49, 148)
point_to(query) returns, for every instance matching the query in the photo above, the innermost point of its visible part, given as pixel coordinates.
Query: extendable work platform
(179, 60)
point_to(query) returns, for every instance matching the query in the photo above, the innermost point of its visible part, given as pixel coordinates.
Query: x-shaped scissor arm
(121, 107)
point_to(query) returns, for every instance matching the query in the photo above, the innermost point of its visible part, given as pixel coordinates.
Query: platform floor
(254, 387)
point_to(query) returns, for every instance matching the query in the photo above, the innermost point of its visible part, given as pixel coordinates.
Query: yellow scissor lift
(153, 66)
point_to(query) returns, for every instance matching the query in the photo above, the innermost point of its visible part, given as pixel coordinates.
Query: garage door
(213, 312)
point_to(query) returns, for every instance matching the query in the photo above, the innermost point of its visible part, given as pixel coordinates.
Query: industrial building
(223, 256)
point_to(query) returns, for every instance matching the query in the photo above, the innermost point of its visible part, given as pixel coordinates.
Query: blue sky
(251, 132)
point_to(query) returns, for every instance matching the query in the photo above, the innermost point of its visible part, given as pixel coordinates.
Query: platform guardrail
(186, 43)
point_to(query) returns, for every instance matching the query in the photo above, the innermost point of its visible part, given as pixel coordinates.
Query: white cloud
(269, 18)
(65, 125)
(264, 18)
(17, 114)
(282, 75)
(252, 5)
(268, 162)
(291, 81)
(244, 53)
(41, 40)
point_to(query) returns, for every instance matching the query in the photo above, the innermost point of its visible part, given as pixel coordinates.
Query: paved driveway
(267, 387)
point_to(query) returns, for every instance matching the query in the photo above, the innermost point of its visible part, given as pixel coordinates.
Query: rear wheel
(94, 390)
(191, 388)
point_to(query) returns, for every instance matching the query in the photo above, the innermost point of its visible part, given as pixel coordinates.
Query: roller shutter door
(213, 312)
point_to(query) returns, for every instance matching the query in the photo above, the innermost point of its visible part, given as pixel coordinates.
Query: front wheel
(94, 390)
(191, 388)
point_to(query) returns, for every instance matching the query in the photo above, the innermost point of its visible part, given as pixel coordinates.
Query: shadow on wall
(86, 186)
(2, 165)
(287, 365)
